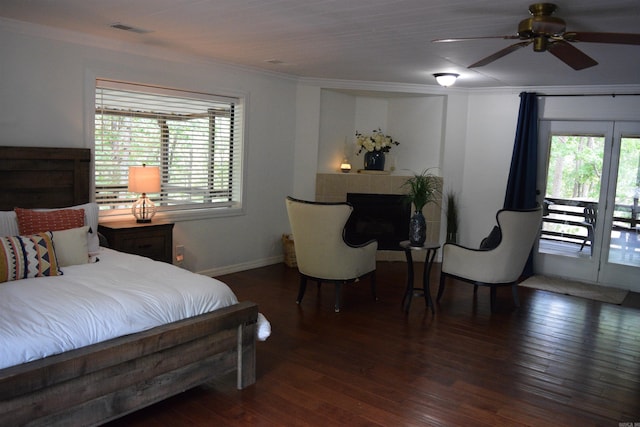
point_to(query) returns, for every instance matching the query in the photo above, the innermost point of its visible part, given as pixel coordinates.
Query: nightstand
(152, 240)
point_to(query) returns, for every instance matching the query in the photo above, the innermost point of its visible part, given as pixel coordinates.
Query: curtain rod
(613, 95)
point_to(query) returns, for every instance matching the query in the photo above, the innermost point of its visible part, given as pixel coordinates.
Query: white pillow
(71, 246)
(8, 224)
(91, 212)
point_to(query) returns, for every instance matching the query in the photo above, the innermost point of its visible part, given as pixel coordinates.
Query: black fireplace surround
(383, 217)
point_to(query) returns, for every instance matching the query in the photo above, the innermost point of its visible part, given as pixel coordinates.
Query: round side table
(430, 248)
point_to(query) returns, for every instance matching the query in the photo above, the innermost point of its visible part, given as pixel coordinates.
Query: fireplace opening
(384, 217)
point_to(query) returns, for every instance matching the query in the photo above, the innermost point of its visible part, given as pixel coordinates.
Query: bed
(99, 382)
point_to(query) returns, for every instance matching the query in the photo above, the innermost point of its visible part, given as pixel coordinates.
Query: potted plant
(422, 188)
(452, 216)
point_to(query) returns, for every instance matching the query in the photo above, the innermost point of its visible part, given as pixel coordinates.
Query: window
(195, 139)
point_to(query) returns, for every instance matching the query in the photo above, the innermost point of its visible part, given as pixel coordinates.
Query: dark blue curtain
(521, 186)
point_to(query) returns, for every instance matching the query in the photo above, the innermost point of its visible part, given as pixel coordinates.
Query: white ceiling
(372, 40)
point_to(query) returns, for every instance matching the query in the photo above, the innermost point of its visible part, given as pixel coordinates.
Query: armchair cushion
(495, 264)
(322, 254)
(321, 251)
(503, 263)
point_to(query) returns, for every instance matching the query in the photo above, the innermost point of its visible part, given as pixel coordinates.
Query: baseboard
(384, 255)
(418, 256)
(228, 269)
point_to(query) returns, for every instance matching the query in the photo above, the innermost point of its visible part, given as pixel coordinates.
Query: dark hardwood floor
(555, 361)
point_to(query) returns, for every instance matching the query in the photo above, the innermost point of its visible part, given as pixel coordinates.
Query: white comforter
(95, 302)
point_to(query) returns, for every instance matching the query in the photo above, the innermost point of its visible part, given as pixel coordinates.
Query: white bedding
(94, 302)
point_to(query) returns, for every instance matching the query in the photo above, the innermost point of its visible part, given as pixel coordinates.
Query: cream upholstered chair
(500, 265)
(321, 251)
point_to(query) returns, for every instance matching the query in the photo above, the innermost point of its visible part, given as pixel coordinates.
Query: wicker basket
(289, 250)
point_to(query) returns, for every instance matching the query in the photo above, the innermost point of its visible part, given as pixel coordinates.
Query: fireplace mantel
(333, 187)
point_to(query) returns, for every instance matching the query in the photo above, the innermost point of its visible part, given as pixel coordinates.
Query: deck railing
(565, 219)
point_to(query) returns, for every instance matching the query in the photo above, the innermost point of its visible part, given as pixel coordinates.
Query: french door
(589, 181)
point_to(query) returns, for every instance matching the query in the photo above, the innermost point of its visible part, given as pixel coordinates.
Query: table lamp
(144, 179)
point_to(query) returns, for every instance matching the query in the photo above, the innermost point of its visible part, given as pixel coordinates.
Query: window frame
(188, 211)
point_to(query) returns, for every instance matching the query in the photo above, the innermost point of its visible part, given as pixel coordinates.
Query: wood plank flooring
(555, 361)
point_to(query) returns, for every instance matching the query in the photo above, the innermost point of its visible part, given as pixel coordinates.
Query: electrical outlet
(179, 254)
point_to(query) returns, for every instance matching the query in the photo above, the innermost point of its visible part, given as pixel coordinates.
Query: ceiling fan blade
(499, 54)
(615, 38)
(464, 39)
(571, 55)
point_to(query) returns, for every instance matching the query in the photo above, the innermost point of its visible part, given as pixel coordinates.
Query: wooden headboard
(34, 177)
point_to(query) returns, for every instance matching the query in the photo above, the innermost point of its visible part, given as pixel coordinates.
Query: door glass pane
(625, 239)
(572, 194)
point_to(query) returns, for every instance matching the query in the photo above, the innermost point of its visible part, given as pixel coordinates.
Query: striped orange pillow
(22, 257)
(31, 221)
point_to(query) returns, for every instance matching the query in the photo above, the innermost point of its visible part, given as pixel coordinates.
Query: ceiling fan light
(446, 79)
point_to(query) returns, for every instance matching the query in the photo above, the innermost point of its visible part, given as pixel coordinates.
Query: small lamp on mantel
(345, 166)
(144, 179)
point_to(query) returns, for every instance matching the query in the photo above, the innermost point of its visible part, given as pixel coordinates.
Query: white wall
(488, 148)
(414, 121)
(474, 132)
(306, 142)
(452, 150)
(45, 95)
(337, 116)
(45, 100)
(490, 137)
(600, 107)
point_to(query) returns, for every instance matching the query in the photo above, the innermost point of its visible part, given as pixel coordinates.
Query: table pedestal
(430, 253)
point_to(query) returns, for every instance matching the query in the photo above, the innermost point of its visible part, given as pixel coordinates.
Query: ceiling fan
(547, 34)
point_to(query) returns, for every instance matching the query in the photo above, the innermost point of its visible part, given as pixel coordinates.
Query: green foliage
(575, 167)
(575, 172)
(190, 173)
(422, 188)
(628, 183)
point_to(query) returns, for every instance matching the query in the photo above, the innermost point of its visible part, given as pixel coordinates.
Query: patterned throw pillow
(22, 257)
(31, 221)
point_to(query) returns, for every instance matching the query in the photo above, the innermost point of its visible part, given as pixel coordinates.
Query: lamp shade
(446, 79)
(144, 179)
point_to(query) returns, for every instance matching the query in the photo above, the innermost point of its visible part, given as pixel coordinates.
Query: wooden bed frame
(104, 381)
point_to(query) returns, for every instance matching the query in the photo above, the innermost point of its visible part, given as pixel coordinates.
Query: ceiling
(371, 40)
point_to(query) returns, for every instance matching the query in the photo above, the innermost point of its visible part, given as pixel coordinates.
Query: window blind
(195, 139)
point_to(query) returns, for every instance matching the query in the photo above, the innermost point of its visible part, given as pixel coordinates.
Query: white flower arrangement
(376, 141)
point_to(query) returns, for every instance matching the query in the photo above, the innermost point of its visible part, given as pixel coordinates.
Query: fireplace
(383, 217)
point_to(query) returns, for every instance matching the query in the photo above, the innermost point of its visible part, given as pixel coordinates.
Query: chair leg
(514, 290)
(303, 287)
(373, 286)
(475, 289)
(338, 296)
(589, 238)
(441, 287)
